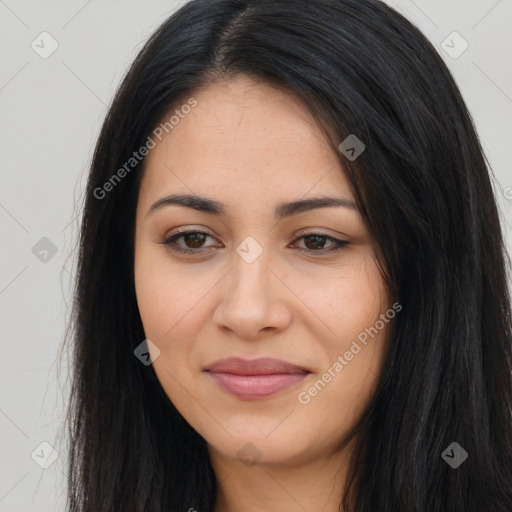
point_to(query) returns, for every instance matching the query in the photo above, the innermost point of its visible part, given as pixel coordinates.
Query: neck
(315, 484)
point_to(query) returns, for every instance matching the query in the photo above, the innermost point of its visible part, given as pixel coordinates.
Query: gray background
(51, 112)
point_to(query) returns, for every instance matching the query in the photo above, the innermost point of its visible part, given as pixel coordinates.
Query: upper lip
(260, 366)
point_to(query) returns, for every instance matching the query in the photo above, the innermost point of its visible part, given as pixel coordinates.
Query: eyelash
(170, 242)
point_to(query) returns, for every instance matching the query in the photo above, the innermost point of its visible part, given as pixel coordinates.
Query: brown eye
(194, 240)
(188, 242)
(315, 242)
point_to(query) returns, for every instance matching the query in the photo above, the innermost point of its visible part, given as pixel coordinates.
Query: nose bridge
(251, 300)
(250, 276)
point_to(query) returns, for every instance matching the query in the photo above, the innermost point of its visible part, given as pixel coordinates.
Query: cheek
(170, 308)
(349, 306)
(168, 298)
(346, 299)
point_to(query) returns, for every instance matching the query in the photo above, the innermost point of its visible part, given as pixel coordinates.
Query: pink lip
(257, 378)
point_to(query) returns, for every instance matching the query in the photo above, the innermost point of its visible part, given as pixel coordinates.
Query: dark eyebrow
(281, 211)
(303, 205)
(201, 204)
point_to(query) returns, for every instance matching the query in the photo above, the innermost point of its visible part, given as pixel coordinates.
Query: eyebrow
(281, 211)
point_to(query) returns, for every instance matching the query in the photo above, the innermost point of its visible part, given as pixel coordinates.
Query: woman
(291, 291)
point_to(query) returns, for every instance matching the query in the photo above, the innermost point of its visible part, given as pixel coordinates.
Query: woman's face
(267, 273)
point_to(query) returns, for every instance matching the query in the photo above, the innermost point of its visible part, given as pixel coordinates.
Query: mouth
(257, 378)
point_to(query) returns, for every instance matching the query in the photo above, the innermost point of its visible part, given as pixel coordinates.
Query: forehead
(245, 138)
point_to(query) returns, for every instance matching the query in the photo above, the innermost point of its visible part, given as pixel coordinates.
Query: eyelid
(298, 234)
(185, 230)
(320, 232)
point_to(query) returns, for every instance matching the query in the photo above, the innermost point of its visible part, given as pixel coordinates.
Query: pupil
(197, 238)
(318, 242)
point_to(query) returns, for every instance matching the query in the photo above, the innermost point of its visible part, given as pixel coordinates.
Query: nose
(254, 300)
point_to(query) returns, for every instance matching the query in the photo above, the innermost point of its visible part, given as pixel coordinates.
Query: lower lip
(256, 386)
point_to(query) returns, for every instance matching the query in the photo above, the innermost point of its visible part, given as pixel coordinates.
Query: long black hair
(424, 190)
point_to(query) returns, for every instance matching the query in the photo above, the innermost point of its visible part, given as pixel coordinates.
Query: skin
(251, 146)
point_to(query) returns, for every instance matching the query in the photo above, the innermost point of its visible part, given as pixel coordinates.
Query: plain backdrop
(51, 112)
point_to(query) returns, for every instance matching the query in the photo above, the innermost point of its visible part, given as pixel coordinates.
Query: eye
(315, 243)
(193, 241)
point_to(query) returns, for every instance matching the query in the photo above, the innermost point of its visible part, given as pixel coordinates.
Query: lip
(256, 378)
